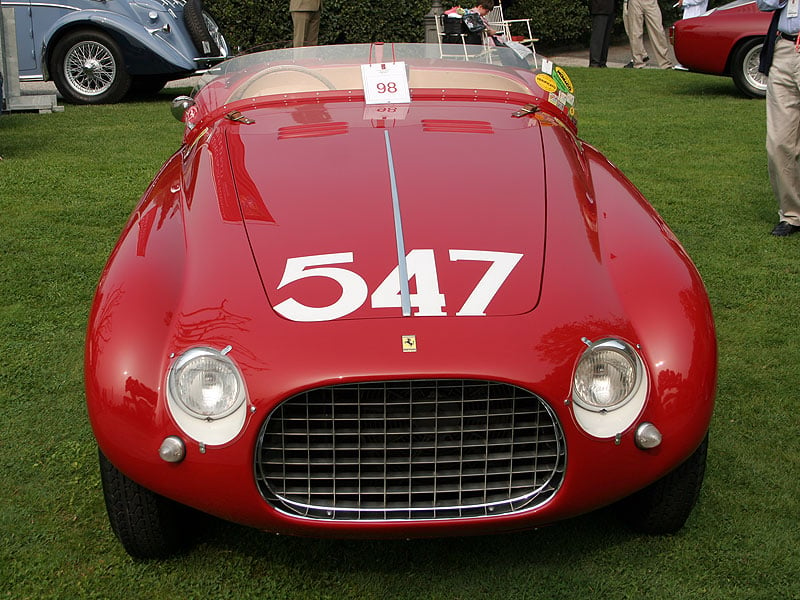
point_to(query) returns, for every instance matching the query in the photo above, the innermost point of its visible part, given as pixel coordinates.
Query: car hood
(341, 209)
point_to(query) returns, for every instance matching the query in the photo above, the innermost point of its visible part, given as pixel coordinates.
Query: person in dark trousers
(602, 13)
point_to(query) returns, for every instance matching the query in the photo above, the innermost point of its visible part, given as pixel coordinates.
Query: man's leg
(312, 29)
(300, 20)
(636, 31)
(655, 31)
(596, 41)
(783, 131)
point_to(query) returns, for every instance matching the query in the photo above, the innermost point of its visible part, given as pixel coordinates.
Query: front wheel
(146, 524)
(664, 506)
(88, 68)
(744, 69)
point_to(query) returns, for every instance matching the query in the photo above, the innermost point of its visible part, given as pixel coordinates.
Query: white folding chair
(521, 27)
(448, 49)
(513, 30)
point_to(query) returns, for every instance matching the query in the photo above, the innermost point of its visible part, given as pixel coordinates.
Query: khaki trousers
(783, 130)
(306, 28)
(639, 13)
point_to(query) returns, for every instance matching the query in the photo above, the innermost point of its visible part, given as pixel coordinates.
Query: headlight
(206, 384)
(607, 376)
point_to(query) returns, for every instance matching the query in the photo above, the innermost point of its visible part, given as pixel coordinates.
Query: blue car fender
(141, 47)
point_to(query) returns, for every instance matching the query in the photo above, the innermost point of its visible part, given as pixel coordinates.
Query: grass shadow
(550, 545)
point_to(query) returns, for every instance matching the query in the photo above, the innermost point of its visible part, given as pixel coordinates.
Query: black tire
(744, 69)
(198, 24)
(664, 506)
(146, 524)
(88, 68)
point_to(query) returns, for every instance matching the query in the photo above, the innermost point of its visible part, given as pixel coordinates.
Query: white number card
(385, 83)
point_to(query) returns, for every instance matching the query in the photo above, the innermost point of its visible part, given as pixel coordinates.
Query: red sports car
(726, 40)
(394, 296)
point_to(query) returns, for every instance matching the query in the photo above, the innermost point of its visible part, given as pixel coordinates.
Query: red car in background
(726, 40)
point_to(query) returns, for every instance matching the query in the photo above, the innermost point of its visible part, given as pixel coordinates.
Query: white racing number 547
(420, 265)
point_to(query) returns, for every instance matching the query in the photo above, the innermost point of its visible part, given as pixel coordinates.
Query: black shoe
(784, 229)
(631, 64)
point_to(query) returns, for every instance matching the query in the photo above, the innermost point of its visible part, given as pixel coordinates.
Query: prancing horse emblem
(409, 343)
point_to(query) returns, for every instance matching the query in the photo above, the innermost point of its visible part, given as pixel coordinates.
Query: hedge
(252, 24)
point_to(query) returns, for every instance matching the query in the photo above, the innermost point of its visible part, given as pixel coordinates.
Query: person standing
(305, 18)
(693, 8)
(641, 12)
(602, 13)
(783, 111)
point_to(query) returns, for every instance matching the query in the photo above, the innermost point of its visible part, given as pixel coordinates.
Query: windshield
(379, 74)
(339, 67)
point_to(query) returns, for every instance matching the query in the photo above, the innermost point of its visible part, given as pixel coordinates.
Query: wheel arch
(740, 67)
(745, 38)
(140, 50)
(135, 300)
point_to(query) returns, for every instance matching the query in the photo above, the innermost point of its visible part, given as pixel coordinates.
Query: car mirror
(180, 105)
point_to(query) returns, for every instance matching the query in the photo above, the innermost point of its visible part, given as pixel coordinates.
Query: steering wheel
(297, 68)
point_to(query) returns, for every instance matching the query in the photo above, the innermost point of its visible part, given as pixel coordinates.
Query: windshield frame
(358, 54)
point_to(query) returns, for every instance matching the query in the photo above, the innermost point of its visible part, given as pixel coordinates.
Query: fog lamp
(647, 436)
(172, 449)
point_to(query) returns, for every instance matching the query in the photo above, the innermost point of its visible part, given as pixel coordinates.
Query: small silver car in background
(97, 51)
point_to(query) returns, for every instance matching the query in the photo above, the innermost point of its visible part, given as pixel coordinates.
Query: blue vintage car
(97, 51)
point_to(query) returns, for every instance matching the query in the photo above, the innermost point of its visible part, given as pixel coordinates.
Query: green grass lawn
(68, 182)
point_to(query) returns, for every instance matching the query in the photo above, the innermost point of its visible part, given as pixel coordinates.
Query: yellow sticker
(560, 76)
(547, 83)
(409, 343)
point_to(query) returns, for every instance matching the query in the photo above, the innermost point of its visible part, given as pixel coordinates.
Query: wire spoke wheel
(744, 69)
(90, 68)
(754, 77)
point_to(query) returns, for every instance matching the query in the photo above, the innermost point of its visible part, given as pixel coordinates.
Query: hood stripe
(405, 294)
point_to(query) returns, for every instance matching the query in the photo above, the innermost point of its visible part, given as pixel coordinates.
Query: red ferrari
(726, 40)
(378, 292)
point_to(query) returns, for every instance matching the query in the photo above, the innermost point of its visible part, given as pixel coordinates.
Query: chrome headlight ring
(206, 395)
(607, 376)
(609, 387)
(206, 383)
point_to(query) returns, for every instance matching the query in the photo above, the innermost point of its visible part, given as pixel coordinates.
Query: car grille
(410, 450)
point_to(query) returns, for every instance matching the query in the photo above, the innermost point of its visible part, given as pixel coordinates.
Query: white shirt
(786, 24)
(694, 8)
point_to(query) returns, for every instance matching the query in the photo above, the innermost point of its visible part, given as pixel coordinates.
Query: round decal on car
(546, 82)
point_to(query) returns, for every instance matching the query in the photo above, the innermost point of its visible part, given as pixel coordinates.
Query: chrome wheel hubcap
(90, 68)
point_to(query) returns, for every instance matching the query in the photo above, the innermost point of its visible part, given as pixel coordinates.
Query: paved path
(618, 56)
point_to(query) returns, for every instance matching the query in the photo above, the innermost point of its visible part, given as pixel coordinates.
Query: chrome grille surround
(410, 450)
